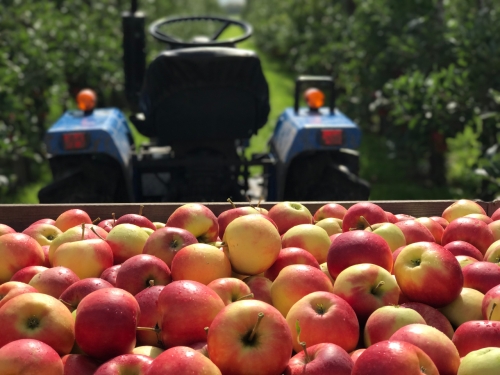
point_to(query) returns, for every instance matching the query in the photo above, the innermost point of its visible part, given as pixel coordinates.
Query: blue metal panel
(296, 133)
(107, 130)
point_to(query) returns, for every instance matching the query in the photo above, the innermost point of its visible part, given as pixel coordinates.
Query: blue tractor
(200, 101)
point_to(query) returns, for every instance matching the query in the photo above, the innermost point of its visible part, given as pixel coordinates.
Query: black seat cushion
(204, 93)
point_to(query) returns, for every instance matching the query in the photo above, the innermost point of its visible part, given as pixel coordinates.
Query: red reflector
(74, 141)
(331, 137)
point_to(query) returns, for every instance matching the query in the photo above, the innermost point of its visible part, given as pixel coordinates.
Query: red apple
(426, 272)
(79, 364)
(197, 219)
(37, 316)
(330, 210)
(308, 237)
(4, 229)
(404, 217)
(432, 317)
(481, 217)
(473, 231)
(495, 229)
(415, 231)
(54, 281)
(126, 240)
(249, 334)
(289, 214)
(45, 221)
(463, 248)
(461, 208)
(107, 224)
(227, 216)
(109, 274)
(18, 250)
(165, 242)
(71, 218)
(355, 354)
(391, 218)
(324, 358)
(434, 227)
(10, 289)
(476, 334)
(363, 214)
(125, 364)
(318, 314)
(358, 247)
(24, 275)
(46, 262)
(29, 357)
(440, 220)
(106, 323)
(136, 219)
(394, 357)
(182, 360)
(142, 271)
(490, 306)
(481, 276)
(260, 286)
(186, 308)
(288, 256)
(230, 289)
(150, 315)
(44, 234)
(72, 296)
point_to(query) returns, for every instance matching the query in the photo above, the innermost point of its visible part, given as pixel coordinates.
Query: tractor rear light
(75, 141)
(331, 137)
(314, 98)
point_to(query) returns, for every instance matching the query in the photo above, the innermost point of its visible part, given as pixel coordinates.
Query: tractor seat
(204, 93)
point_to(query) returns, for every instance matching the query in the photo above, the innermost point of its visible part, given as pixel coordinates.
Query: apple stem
(306, 354)
(378, 286)
(114, 218)
(245, 297)
(231, 202)
(96, 220)
(83, 231)
(492, 309)
(97, 234)
(217, 244)
(140, 209)
(366, 222)
(206, 330)
(260, 200)
(66, 303)
(151, 283)
(254, 330)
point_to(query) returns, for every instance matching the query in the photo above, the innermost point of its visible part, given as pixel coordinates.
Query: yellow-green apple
(289, 214)
(149, 350)
(366, 287)
(461, 208)
(30, 357)
(432, 317)
(466, 307)
(136, 219)
(260, 286)
(386, 320)
(200, 262)
(296, 281)
(463, 248)
(165, 242)
(355, 247)
(253, 244)
(476, 334)
(142, 271)
(149, 231)
(197, 219)
(434, 343)
(493, 253)
(18, 250)
(24, 275)
(426, 272)
(186, 308)
(404, 217)
(324, 267)
(150, 316)
(72, 296)
(10, 289)
(318, 315)
(230, 289)
(76, 234)
(86, 258)
(125, 364)
(363, 214)
(465, 260)
(482, 361)
(126, 240)
(440, 220)
(54, 281)
(182, 360)
(249, 336)
(415, 231)
(435, 228)
(481, 217)
(323, 358)
(44, 234)
(71, 218)
(109, 274)
(329, 210)
(481, 276)
(288, 256)
(394, 357)
(4, 229)
(79, 364)
(331, 225)
(106, 322)
(473, 231)
(490, 306)
(37, 316)
(391, 218)
(355, 354)
(390, 233)
(495, 229)
(309, 237)
(159, 224)
(227, 216)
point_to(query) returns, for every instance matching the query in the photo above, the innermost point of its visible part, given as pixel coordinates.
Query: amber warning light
(74, 141)
(331, 137)
(86, 100)
(314, 98)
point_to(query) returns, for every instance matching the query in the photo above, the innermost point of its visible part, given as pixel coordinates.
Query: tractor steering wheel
(212, 41)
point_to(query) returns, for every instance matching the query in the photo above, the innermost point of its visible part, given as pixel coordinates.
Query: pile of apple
(357, 291)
